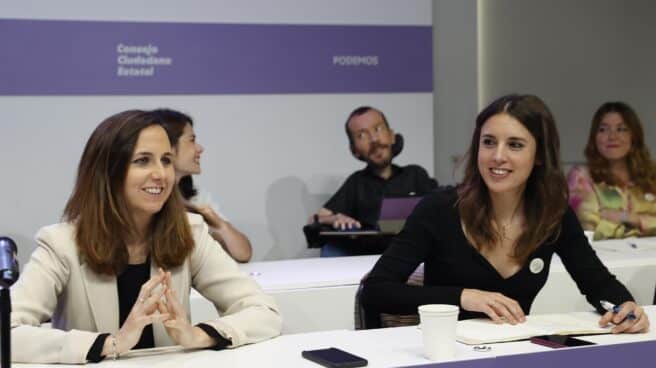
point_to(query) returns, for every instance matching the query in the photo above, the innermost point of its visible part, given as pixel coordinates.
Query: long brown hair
(638, 160)
(174, 122)
(98, 206)
(545, 195)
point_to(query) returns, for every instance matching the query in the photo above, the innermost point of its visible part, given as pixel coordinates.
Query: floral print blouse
(588, 199)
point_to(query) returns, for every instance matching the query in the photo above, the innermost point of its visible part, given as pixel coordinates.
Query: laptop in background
(394, 212)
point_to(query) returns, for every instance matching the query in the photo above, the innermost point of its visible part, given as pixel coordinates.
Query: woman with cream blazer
(57, 285)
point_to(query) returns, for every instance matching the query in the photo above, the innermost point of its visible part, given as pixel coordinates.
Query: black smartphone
(559, 341)
(334, 358)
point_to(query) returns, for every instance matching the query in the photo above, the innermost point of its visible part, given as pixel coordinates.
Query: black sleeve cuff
(93, 355)
(220, 341)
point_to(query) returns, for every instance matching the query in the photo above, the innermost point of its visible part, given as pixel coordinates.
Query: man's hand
(338, 221)
(343, 222)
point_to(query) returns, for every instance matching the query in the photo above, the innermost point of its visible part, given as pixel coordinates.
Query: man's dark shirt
(362, 193)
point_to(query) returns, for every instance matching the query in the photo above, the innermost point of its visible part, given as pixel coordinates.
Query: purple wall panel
(81, 57)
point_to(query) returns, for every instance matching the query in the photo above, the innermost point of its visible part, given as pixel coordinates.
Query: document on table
(484, 331)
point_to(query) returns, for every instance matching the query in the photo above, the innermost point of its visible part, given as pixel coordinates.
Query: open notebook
(484, 331)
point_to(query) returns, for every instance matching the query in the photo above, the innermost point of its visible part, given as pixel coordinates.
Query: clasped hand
(620, 217)
(158, 302)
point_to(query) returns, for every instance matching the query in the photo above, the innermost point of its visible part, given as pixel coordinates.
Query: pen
(615, 309)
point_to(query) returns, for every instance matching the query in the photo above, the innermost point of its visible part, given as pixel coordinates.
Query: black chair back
(365, 320)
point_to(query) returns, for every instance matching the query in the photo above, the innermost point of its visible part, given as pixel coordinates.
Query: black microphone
(8, 262)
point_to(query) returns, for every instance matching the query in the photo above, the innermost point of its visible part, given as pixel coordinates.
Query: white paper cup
(438, 327)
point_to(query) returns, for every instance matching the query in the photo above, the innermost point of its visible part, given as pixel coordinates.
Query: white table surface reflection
(389, 347)
(317, 294)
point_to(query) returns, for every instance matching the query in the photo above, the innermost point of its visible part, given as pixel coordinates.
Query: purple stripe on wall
(117, 58)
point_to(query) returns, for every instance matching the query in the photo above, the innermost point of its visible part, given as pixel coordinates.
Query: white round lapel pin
(536, 265)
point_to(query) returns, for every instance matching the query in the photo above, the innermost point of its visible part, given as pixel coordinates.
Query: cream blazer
(56, 284)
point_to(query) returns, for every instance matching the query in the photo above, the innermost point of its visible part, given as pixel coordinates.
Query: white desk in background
(317, 294)
(633, 244)
(389, 347)
(635, 268)
(314, 294)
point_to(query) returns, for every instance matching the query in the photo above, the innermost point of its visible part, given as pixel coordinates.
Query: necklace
(505, 229)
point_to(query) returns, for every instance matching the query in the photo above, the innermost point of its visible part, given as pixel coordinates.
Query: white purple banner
(42, 57)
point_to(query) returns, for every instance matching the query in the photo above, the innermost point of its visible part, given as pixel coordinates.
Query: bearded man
(357, 203)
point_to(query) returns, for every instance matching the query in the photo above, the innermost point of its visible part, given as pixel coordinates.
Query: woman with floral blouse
(615, 195)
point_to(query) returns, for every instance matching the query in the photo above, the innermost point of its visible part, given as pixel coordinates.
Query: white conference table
(317, 294)
(389, 347)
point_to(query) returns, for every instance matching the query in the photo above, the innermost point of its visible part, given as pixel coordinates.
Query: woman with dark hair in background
(487, 244)
(117, 274)
(187, 163)
(614, 196)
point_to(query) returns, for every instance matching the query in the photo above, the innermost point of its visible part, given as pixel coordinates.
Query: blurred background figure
(487, 244)
(187, 163)
(614, 196)
(356, 204)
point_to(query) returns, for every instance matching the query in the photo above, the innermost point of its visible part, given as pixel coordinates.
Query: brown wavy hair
(99, 209)
(639, 162)
(545, 195)
(174, 122)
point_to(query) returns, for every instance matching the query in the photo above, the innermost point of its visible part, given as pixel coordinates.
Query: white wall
(573, 54)
(455, 53)
(270, 160)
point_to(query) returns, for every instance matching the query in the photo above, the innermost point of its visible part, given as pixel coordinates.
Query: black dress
(433, 235)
